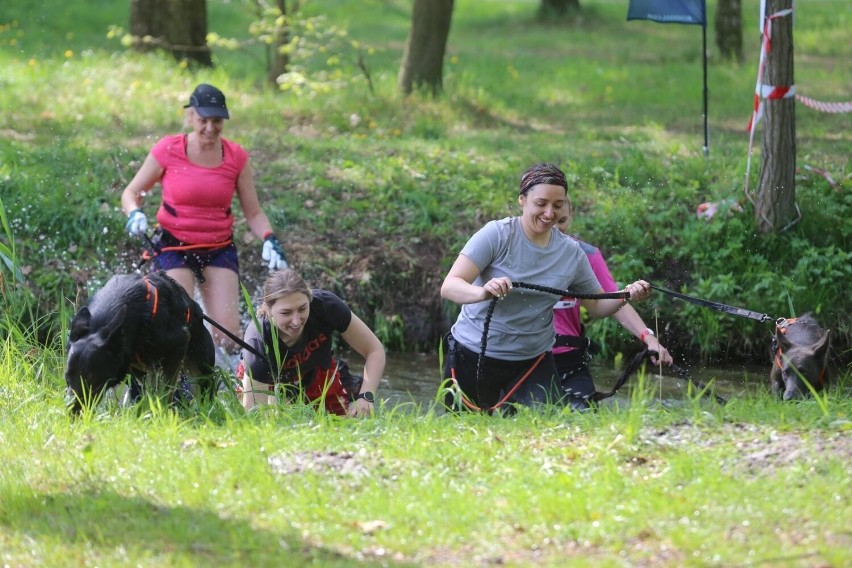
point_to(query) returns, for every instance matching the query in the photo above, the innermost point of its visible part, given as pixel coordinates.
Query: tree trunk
(729, 29)
(557, 8)
(423, 59)
(775, 207)
(278, 62)
(177, 26)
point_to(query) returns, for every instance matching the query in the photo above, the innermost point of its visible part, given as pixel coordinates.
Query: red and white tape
(823, 106)
(757, 112)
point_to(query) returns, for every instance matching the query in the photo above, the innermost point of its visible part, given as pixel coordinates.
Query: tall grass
(642, 483)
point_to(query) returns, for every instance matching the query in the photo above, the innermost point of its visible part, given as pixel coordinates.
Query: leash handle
(578, 295)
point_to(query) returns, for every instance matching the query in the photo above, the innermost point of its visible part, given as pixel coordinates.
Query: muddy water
(415, 377)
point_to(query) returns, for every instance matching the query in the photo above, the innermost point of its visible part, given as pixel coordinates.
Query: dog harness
(151, 291)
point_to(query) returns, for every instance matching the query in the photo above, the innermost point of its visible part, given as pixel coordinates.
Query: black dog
(135, 325)
(800, 351)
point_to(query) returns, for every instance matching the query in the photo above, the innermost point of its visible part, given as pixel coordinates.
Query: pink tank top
(196, 206)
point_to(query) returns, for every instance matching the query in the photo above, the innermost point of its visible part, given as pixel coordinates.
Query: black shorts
(575, 377)
(498, 377)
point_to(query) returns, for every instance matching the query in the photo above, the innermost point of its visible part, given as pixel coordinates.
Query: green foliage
(376, 194)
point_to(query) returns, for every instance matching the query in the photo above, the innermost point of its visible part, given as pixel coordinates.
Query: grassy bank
(757, 482)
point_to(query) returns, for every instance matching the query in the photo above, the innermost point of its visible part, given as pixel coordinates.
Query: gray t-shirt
(522, 323)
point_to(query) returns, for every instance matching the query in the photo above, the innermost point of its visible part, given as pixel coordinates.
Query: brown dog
(134, 325)
(800, 353)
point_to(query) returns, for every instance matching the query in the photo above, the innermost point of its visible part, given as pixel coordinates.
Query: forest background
(374, 193)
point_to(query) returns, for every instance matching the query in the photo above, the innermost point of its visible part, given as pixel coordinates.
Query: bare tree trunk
(729, 29)
(423, 59)
(278, 62)
(177, 26)
(775, 206)
(557, 8)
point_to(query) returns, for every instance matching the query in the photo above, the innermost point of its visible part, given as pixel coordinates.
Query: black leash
(634, 366)
(234, 338)
(717, 306)
(547, 289)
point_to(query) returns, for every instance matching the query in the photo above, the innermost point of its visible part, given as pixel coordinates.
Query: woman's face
(289, 314)
(542, 206)
(207, 129)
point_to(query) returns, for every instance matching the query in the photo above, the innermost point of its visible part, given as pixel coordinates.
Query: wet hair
(282, 283)
(542, 173)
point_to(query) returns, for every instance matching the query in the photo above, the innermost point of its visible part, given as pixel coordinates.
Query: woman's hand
(664, 357)
(359, 408)
(639, 290)
(497, 288)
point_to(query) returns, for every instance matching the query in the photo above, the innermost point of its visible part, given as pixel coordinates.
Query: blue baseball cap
(208, 101)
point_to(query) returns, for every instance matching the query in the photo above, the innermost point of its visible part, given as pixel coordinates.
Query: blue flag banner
(691, 12)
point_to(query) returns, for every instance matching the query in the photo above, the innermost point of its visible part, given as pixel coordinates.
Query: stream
(415, 377)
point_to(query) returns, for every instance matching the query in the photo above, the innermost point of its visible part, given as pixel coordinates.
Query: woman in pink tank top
(200, 173)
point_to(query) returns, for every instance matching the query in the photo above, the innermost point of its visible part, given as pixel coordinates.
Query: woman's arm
(639, 290)
(148, 174)
(458, 287)
(255, 392)
(362, 339)
(632, 322)
(255, 217)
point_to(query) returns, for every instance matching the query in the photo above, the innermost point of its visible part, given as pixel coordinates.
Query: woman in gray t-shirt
(518, 366)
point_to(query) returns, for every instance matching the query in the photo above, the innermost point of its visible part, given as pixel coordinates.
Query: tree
(177, 26)
(729, 29)
(423, 58)
(775, 206)
(557, 8)
(278, 60)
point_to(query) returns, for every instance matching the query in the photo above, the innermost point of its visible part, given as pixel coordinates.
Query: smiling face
(289, 314)
(541, 207)
(208, 129)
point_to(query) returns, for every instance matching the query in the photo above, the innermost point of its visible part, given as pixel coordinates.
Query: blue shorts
(194, 259)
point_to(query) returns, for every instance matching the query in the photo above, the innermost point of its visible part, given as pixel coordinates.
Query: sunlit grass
(643, 482)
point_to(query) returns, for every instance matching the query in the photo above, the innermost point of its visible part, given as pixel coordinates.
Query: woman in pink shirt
(199, 173)
(571, 352)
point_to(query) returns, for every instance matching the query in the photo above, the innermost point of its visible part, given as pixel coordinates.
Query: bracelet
(645, 333)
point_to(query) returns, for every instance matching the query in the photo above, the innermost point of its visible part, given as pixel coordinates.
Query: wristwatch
(366, 395)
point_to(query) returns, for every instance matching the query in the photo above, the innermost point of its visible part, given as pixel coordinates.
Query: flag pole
(704, 52)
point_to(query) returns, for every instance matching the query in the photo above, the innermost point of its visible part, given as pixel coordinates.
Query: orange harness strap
(149, 254)
(152, 291)
(471, 406)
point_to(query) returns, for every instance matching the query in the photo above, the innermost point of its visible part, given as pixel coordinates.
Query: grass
(636, 484)
(376, 193)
